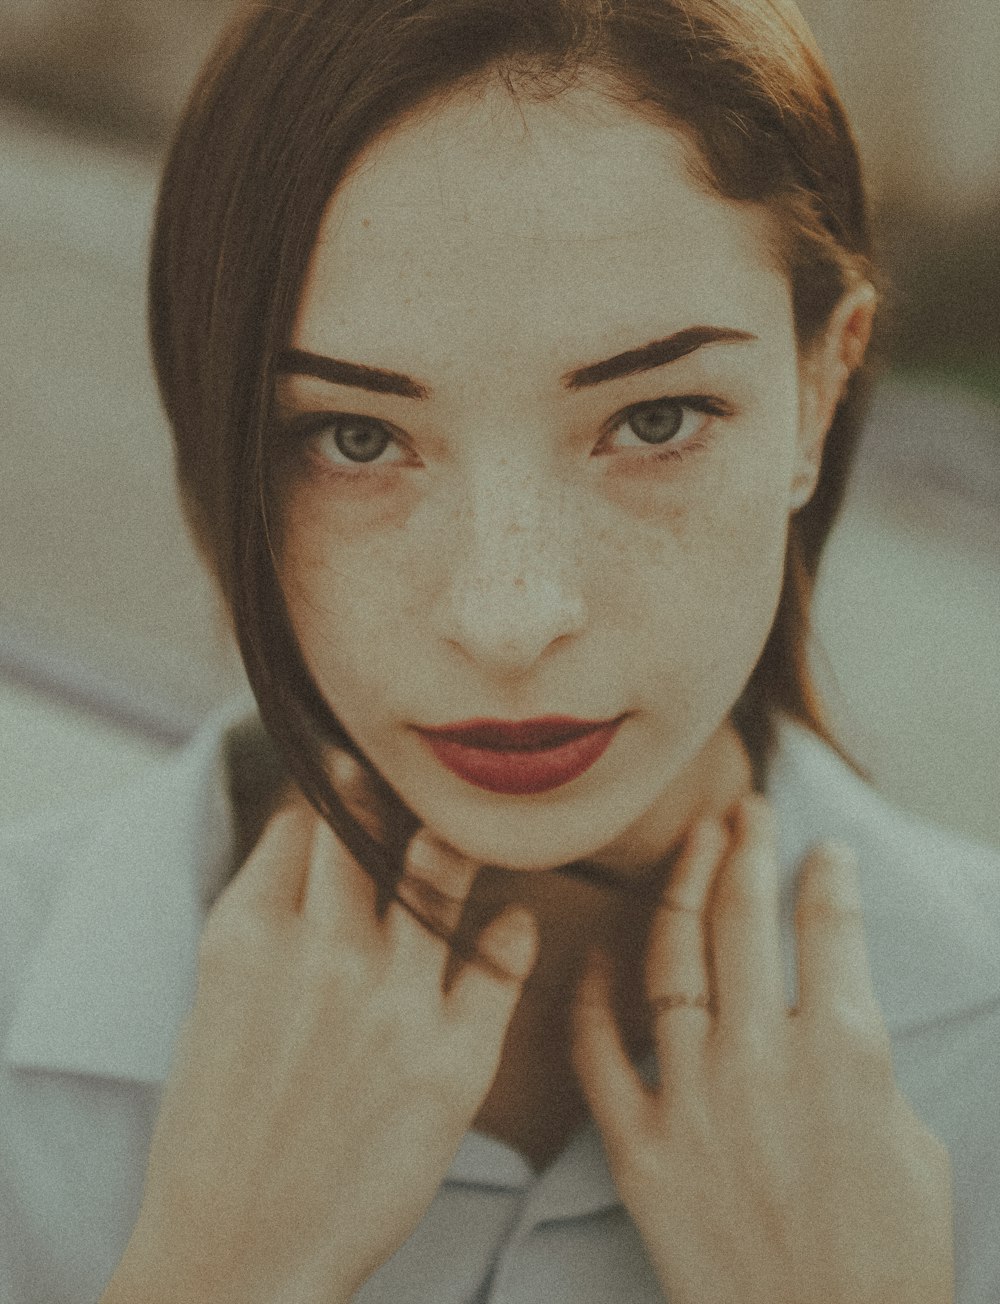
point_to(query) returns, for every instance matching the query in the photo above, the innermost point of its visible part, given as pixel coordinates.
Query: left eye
(349, 444)
(668, 420)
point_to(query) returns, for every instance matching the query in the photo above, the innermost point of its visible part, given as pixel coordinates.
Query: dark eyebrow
(297, 362)
(657, 354)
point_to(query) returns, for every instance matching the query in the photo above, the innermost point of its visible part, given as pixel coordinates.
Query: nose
(513, 583)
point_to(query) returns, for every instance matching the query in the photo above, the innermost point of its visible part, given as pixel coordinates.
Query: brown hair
(287, 102)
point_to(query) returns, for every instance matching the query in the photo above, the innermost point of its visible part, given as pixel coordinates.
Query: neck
(608, 898)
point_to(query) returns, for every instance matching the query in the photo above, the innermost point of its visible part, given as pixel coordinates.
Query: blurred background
(112, 648)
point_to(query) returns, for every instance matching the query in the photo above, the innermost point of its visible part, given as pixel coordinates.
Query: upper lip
(544, 731)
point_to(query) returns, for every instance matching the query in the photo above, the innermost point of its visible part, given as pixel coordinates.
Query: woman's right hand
(323, 1079)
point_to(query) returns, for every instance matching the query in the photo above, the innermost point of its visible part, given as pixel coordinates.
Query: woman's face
(513, 546)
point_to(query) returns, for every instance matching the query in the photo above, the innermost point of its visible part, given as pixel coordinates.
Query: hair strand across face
(288, 102)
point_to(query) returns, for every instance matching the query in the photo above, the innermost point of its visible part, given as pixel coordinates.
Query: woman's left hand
(778, 1163)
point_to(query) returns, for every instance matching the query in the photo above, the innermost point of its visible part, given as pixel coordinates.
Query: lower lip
(521, 773)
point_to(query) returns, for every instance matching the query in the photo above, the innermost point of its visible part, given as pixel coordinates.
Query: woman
(515, 355)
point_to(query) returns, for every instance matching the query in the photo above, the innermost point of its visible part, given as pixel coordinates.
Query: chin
(519, 859)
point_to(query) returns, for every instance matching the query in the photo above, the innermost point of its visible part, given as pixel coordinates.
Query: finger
(615, 1094)
(744, 925)
(488, 986)
(351, 785)
(833, 966)
(483, 997)
(436, 883)
(677, 961)
(340, 898)
(272, 878)
(339, 894)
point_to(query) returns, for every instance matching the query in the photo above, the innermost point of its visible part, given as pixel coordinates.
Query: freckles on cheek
(713, 555)
(667, 509)
(342, 564)
(342, 516)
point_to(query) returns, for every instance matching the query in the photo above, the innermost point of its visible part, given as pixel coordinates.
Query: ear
(824, 378)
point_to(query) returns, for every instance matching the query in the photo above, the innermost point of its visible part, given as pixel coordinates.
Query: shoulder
(817, 792)
(37, 853)
(931, 906)
(103, 902)
(169, 813)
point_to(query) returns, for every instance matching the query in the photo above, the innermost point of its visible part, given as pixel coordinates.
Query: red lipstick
(520, 757)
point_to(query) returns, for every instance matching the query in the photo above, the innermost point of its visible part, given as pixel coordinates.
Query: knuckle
(739, 891)
(822, 912)
(856, 1043)
(748, 1059)
(751, 1048)
(395, 1027)
(872, 1053)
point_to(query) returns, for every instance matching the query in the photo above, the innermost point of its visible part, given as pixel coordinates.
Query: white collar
(114, 973)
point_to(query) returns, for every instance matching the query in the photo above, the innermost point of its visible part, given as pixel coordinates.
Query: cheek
(683, 577)
(337, 576)
(697, 602)
(716, 548)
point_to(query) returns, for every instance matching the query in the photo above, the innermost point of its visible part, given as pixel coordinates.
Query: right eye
(345, 440)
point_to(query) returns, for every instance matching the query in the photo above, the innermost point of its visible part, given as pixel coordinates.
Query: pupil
(361, 441)
(657, 424)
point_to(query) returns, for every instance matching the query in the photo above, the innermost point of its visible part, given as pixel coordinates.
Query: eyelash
(300, 430)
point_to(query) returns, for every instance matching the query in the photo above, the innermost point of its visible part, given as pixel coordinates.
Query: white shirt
(102, 908)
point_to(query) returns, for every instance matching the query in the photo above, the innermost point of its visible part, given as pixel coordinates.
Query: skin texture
(325, 1070)
(777, 1162)
(501, 566)
(507, 554)
(515, 549)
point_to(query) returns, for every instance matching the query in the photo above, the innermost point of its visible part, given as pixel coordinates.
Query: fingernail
(425, 851)
(346, 770)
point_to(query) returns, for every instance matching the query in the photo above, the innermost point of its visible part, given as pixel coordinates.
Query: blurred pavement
(111, 645)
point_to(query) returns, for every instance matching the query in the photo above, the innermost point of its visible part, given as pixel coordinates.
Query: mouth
(521, 757)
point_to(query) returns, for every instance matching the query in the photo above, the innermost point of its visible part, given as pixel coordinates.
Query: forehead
(518, 223)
